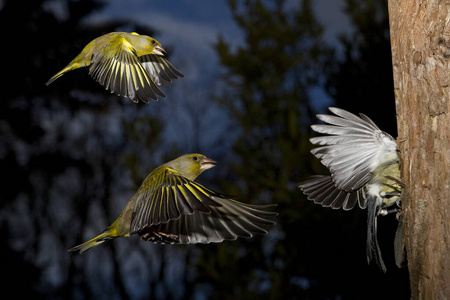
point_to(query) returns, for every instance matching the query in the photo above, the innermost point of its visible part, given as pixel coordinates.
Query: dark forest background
(72, 155)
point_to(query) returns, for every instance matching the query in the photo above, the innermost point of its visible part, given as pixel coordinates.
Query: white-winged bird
(364, 166)
(171, 208)
(126, 64)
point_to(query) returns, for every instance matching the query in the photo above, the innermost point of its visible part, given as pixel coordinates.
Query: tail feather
(74, 64)
(372, 246)
(56, 76)
(70, 67)
(93, 242)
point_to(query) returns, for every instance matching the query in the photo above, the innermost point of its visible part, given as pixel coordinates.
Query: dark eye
(153, 42)
(195, 158)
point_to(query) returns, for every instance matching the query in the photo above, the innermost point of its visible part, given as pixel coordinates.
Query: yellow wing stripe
(193, 191)
(181, 189)
(202, 189)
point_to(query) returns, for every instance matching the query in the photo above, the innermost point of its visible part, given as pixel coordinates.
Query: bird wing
(119, 70)
(321, 190)
(353, 148)
(231, 220)
(159, 68)
(182, 211)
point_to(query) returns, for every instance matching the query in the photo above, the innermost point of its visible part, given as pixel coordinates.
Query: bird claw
(397, 209)
(152, 235)
(385, 212)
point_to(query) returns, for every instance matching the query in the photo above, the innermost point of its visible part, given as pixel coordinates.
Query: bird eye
(195, 158)
(153, 42)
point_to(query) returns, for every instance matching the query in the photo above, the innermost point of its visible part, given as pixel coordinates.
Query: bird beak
(159, 50)
(207, 163)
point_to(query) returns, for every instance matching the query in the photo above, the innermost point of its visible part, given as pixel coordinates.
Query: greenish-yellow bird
(126, 64)
(364, 166)
(171, 208)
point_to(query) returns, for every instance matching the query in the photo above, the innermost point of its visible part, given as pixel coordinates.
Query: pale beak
(207, 163)
(159, 50)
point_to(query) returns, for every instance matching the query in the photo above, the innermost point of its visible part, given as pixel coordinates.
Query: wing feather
(183, 211)
(321, 190)
(120, 72)
(352, 149)
(159, 69)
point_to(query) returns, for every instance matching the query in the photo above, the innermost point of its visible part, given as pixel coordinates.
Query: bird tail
(56, 76)
(372, 246)
(76, 63)
(59, 74)
(106, 235)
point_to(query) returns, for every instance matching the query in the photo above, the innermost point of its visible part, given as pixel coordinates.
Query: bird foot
(159, 237)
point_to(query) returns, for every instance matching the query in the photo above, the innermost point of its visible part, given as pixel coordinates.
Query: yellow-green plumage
(126, 64)
(170, 207)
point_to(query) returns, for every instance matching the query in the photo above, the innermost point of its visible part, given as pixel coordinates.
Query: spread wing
(321, 190)
(120, 72)
(227, 222)
(159, 68)
(353, 148)
(183, 211)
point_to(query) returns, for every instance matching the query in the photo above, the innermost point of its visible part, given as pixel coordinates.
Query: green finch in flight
(171, 208)
(364, 166)
(126, 64)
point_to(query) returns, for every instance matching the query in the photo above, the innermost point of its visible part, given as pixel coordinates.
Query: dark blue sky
(192, 26)
(189, 30)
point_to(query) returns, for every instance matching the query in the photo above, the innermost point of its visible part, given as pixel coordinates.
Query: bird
(171, 208)
(126, 64)
(365, 169)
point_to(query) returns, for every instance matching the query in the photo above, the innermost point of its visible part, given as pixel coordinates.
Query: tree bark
(420, 43)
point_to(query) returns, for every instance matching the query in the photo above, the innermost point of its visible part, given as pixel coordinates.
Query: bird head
(157, 48)
(145, 44)
(191, 165)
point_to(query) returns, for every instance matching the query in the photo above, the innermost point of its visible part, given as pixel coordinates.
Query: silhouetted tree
(361, 81)
(64, 149)
(266, 95)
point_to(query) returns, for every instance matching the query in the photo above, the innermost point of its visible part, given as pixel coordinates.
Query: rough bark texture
(420, 42)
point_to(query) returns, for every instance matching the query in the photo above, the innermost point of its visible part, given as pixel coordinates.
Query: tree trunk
(420, 42)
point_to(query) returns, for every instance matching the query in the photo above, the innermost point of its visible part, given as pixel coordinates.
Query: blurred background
(256, 73)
